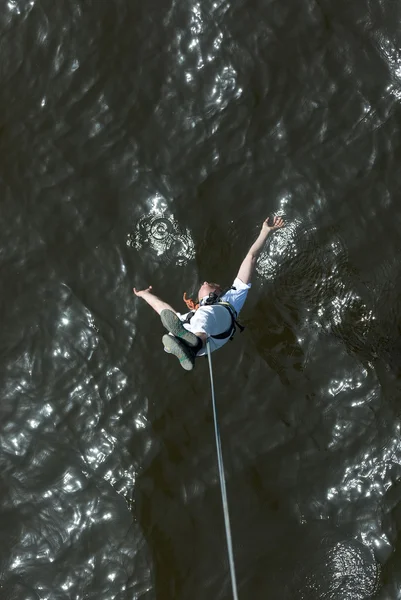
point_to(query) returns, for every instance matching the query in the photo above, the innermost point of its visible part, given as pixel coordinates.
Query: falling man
(214, 316)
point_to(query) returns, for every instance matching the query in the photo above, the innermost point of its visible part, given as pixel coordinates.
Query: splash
(162, 234)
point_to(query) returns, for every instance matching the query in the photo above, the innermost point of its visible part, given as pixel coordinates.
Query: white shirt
(214, 319)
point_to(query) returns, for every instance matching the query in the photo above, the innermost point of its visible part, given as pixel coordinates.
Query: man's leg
(181, 350)
(174, 325)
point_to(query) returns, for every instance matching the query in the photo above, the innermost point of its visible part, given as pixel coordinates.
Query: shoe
(184, 353)
(173, 324)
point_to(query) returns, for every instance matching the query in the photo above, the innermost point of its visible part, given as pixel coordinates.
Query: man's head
(208, 288)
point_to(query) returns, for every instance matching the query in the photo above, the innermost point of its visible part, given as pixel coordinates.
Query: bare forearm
(156, 303)
(248, 265)
(258, 244)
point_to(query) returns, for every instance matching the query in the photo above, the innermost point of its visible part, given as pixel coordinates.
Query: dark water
(145, 142)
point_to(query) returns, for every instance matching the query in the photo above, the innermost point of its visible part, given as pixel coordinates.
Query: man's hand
(153, 301)
(249, 263)
(277, 223)
(141, 293)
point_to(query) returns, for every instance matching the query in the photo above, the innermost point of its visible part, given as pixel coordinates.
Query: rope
(222, 482)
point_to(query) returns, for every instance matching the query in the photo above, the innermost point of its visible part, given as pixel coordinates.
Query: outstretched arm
(153, 301)
(248, 265)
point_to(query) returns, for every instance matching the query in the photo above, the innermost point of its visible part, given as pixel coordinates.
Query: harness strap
(189, 317)
(234, 323)
(231, 331)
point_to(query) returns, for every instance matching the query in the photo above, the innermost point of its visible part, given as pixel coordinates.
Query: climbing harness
(214, 300)
(222, 482)
(234, 323)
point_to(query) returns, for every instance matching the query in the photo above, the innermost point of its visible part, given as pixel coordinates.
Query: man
(215, 317)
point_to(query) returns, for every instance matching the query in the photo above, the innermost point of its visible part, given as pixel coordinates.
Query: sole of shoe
(173, 324)
(180, 350)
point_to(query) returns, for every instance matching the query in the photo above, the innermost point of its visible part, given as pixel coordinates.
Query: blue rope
(222, 482)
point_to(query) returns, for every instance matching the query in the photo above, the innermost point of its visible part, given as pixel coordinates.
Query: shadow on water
(281, 558)
(169, 523)
(272, 328)
(180, 509)
(320, 289)
(387, 307)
